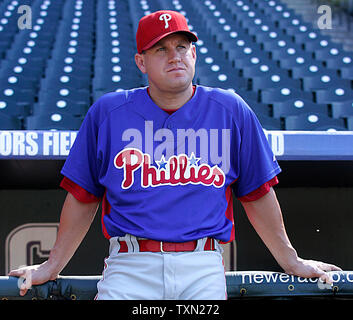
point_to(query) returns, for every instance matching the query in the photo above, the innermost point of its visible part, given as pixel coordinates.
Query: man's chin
(179, 83)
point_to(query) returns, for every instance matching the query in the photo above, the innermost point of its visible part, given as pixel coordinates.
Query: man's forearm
(76, 218)
(266, 217)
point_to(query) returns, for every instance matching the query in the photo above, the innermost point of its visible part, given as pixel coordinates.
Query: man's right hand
(33, 275)
(75, 220)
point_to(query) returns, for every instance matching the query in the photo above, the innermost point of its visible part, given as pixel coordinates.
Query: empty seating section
(114, 63)
(290, 74)
(64, 93)
(23, 62)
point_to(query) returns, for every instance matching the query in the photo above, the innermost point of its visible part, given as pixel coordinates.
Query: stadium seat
(331, 52)
(320, 43)
(12, 107)
(270, 8)
(241, 56)
(247, 95)
(269, 123)
(119, 62)
(334, 94)
(313, 122)
(3, 47)
(32, 54)
(18, 95)
(242, 11)
(251, 61)
(297, 106)
(346, 72)
(284, 49)
(61, 62)
(325, 81)
(205, 47)
(207, 59)
(342, 60)
(342, 109)
(267, 68)
(274, 80)
(261, 29)
(64, 81)
(41, 39)
(298, 61)
(116, 81)
(65, 100)
(283, 17)
(13, 68)
(311, 39)
(8, 122)
(233, 35)
(234, 39)
(297, 26)
(56, 67)
(271, 39)
(64, 106)
(8, 26)
(53, 121)
(78, 52)
(215, 28)
(14, 81)
(258, 107)
(350, 123)
(33, 63)
(219, 73)
(311, 69)
(280, 94)
(225, 80)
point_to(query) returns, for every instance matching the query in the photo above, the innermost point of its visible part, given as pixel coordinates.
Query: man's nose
(173, 56)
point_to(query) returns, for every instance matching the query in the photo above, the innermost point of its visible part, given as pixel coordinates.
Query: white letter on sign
(325, 21)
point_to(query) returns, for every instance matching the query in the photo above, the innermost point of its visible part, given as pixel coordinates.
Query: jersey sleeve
(256, 162)
(78, 192)
(82, 165)
(259, 192)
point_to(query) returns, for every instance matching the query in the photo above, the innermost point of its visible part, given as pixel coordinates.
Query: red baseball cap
(159, 24)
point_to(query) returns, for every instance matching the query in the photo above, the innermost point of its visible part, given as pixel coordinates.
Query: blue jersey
(170, 177)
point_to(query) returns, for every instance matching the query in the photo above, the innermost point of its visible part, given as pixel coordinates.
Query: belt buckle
(161, 246)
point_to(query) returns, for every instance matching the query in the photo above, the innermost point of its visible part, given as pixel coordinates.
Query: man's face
(169, 64)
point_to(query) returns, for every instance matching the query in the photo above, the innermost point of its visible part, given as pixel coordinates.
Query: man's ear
(140, 62)
(194, 52)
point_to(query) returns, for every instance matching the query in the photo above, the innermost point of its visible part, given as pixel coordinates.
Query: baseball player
(164, 161)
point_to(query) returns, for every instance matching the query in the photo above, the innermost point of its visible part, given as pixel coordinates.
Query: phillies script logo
(178, 170)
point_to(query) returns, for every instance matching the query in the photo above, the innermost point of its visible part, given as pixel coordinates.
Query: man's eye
(161, 49)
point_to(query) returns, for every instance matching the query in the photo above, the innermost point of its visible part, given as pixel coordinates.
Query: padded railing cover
(240, 285)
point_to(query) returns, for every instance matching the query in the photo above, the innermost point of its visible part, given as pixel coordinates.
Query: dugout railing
(240, 285)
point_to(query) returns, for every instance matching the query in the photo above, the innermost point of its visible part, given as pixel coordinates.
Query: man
(163, 161)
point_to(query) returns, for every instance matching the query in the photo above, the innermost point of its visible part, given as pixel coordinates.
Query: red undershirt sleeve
(259, 192)
(78, 192)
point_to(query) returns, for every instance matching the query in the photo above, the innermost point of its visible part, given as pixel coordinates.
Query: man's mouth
(176, 69)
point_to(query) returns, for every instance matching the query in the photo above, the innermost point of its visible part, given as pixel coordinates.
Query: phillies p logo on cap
(159, 24)
(166, 17)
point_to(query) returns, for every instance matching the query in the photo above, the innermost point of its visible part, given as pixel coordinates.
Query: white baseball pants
(134, 275)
